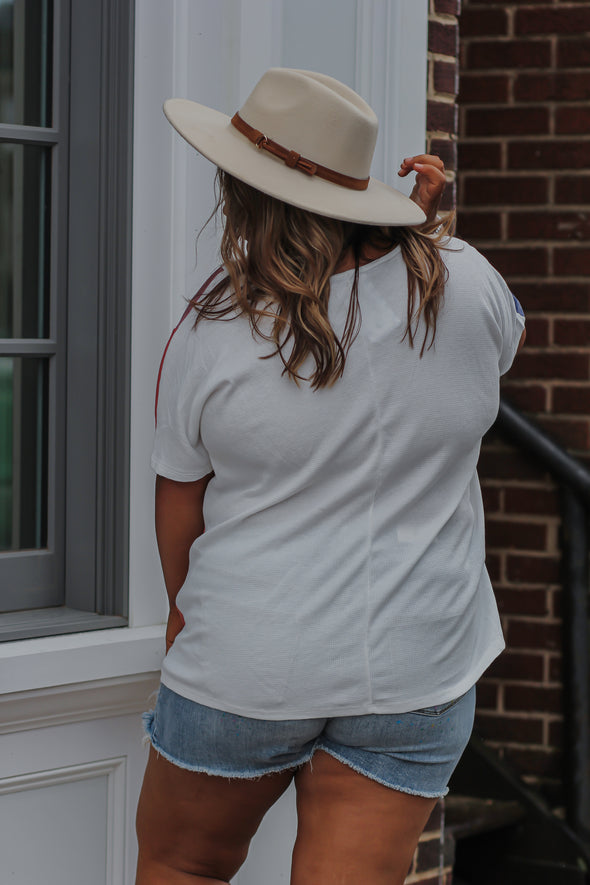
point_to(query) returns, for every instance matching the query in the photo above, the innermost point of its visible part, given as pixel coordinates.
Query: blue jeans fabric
(413, 752)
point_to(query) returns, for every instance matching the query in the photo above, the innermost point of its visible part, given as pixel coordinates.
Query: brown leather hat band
(295, 160)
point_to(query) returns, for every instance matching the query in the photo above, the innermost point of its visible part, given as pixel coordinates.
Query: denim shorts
(413, 752)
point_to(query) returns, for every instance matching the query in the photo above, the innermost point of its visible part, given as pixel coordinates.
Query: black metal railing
(574, 480)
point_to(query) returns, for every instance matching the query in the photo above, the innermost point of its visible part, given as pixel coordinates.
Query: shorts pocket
(439, 709)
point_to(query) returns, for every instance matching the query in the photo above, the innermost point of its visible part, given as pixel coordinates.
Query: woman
(319, 519)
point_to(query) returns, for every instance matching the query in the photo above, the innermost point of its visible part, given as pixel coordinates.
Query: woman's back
(342, 566)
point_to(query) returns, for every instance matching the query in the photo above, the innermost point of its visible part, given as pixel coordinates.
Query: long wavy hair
(279, 260)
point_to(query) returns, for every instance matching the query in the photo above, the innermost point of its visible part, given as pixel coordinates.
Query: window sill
(31, 664)
(53, 621)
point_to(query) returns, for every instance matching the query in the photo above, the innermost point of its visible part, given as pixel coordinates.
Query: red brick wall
(443, 83)
(523, 200)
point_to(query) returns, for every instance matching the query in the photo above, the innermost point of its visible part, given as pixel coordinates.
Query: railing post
(576, 661)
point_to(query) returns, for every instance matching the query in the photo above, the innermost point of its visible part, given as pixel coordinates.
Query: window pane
(23, 453)
(24, 240)
(25, 62)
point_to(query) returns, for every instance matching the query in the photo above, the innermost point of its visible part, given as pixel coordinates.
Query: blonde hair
(279, 260)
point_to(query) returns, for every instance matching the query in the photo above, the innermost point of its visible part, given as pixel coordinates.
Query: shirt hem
(356, 709)
(163, 469)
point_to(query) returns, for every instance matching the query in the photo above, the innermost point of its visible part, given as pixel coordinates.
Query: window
(65, 183)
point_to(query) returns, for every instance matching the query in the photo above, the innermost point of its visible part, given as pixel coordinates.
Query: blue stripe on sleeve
(518, 306)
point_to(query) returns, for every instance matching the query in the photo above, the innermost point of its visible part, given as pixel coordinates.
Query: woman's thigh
(353, 829)
(194, 824)
(367, 793)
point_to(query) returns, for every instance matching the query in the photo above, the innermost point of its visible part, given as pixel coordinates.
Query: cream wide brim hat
(311, 115)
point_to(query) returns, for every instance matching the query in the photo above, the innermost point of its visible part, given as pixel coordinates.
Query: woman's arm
(179, 520)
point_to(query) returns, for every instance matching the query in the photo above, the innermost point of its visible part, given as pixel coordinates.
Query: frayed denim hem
(379, 780)
(148, 723)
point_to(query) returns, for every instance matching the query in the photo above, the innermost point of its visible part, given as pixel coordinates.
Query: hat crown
(316, 116)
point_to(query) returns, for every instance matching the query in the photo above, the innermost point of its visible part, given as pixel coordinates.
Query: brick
(572, 189)
(487, 695)
(529, 699)
(572, 120)
(507, 465)
(521, 602)
(443, 38)
(503, 54)
(552, 20)
(534, 635)
(556, 595)
(435, 819)
(575, 333)
(436, 879)
(559, 154)
(501, 190)
(572, 262)
(449, 198)
(511, 665)
(428, 855)
(441, 116)
(573, 53)
(555, 668)
(518, 535)
(560, 86)
(571, 400)
(518, 261)
(479, 225)
(445, 77)
(533, 569)
(556, 734)
(480, 22)
(549, 225)
(512, 728)
(528, 397)
(532, 502)
(571, 433)
(491, 501)
(537, 335)
(550, 295)
(483, 88)
(493, 565)
(551, 365)
(525, 120)
(446, 149)
(447, 7)
(541, 760)
(479, 156)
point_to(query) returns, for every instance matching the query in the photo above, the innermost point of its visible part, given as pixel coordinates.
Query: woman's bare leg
(194, 828)
(352, 829)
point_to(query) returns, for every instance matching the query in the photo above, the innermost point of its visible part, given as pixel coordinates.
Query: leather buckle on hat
(294, 160)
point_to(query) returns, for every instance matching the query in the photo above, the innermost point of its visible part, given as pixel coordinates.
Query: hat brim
(211, 133)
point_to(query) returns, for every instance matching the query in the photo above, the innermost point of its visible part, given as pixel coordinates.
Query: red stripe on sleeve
(190, 306)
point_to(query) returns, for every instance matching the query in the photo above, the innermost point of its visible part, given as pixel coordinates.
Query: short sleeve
(508, 315)
(179, 452)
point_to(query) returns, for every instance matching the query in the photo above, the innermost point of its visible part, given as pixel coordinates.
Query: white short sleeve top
(341, 570)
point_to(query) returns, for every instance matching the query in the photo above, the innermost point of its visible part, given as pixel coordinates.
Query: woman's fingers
(409, 163)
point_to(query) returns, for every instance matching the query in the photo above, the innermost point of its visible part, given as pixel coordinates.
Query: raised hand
(430, 182)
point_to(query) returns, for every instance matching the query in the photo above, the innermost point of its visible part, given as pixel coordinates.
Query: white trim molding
(391, 52)
(115, 771)
(78, 702)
